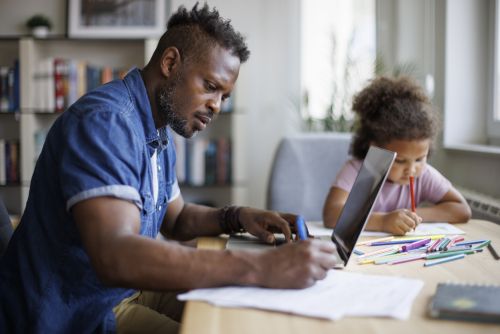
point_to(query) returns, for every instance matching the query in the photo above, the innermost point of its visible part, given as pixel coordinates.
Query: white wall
(14, 14)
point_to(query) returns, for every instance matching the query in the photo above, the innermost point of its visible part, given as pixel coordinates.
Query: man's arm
(109, 229)
(187, 221)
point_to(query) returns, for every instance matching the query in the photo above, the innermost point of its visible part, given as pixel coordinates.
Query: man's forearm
(193, 221)
(142, 263)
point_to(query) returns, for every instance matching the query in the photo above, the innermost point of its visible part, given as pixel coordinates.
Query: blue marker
(301, 228)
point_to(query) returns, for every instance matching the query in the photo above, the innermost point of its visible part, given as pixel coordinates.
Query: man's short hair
(193, 32)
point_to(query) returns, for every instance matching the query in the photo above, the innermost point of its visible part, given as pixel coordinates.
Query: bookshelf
(228, 184)
(26, 123)
(32, 119)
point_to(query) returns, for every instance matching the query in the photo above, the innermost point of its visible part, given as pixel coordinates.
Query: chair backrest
(303, 171)
(5, 227)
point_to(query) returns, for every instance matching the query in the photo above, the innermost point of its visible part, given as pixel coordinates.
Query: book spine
(3, 162)
(180, 163)
(198, 162)
(16, 92)
(4, 88)
(59, 84)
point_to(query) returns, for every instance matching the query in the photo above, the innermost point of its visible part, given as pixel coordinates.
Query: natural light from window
(338, 54)
(496, 112)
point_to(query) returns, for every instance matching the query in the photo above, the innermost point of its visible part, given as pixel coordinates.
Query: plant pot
(40, 32)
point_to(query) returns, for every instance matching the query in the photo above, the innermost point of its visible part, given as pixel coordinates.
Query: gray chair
(303, 171)
(5, 228)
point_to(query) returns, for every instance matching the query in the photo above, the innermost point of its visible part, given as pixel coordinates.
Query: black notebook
(466, 302)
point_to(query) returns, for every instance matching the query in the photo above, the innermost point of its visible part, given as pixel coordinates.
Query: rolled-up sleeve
(98, 159)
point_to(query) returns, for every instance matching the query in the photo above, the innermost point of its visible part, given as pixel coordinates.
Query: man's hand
(263, 224)
(295, 265)
(400, 222)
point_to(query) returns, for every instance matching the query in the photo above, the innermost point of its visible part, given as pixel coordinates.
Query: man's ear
(170, 60)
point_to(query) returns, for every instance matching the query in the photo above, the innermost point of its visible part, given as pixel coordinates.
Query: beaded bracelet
(229, 220)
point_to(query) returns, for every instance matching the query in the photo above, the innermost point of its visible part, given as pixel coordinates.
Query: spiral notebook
(467, 302)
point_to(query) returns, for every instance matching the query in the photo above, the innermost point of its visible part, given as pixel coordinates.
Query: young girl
(395, 114)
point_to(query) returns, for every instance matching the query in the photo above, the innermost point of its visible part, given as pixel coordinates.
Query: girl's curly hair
(391, 109)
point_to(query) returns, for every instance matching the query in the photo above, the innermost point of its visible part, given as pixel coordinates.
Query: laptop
(358, 206)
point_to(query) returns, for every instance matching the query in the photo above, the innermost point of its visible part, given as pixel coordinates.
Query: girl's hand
(400, 222)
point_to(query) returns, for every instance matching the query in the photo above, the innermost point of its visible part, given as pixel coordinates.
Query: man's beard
(166, 110)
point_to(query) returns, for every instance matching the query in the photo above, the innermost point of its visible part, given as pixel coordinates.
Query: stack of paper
(339, 295)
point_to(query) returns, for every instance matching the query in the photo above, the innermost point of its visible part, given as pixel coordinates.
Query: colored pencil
(443, 260)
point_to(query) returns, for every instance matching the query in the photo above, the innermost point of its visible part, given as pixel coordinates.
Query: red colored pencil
(412, 195)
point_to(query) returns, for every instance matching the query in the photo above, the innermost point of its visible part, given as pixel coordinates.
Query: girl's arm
(333, 206)
(452, 208)
(396, 222)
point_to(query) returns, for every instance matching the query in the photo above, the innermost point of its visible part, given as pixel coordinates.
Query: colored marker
(416, 244)
(493, 252)
(412, 195)
(418, 237)
(443, 260)
(459, 248)
(388, 258)
(407, 259)
(380, 251)
(454, 240)
(367, 261)
(301, 228)
(394, 242)
(483, 244)
(472, 242)
(442, 246)
(405, 240)
(357, 251)
(368, 242)
(440, 255)
(433, 245)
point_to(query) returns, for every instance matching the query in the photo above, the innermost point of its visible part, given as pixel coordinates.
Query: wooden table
(201, 317)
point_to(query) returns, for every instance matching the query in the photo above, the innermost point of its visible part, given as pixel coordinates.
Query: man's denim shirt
(105, 144)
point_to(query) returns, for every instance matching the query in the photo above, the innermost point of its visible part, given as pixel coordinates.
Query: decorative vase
(40, 32)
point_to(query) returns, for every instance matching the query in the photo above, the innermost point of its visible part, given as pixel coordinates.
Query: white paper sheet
(340, 294)
(317, 229)
(423, 229)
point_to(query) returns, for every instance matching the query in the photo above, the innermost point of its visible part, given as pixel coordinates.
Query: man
(105, 185)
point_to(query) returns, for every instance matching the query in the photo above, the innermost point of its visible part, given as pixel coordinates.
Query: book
(467, 302)
(3, 163)
(60, 84)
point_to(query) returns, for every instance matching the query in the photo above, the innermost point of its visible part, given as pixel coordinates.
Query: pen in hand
(300, 224)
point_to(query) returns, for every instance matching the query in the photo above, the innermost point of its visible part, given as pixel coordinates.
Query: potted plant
(39, 25)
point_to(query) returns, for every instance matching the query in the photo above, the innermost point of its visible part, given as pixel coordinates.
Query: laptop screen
(359, 203)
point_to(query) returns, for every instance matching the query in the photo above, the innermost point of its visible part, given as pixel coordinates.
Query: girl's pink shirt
(430, 187)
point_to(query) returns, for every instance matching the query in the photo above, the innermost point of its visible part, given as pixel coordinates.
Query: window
(469, 82)
(338, 55)
(494, 119)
